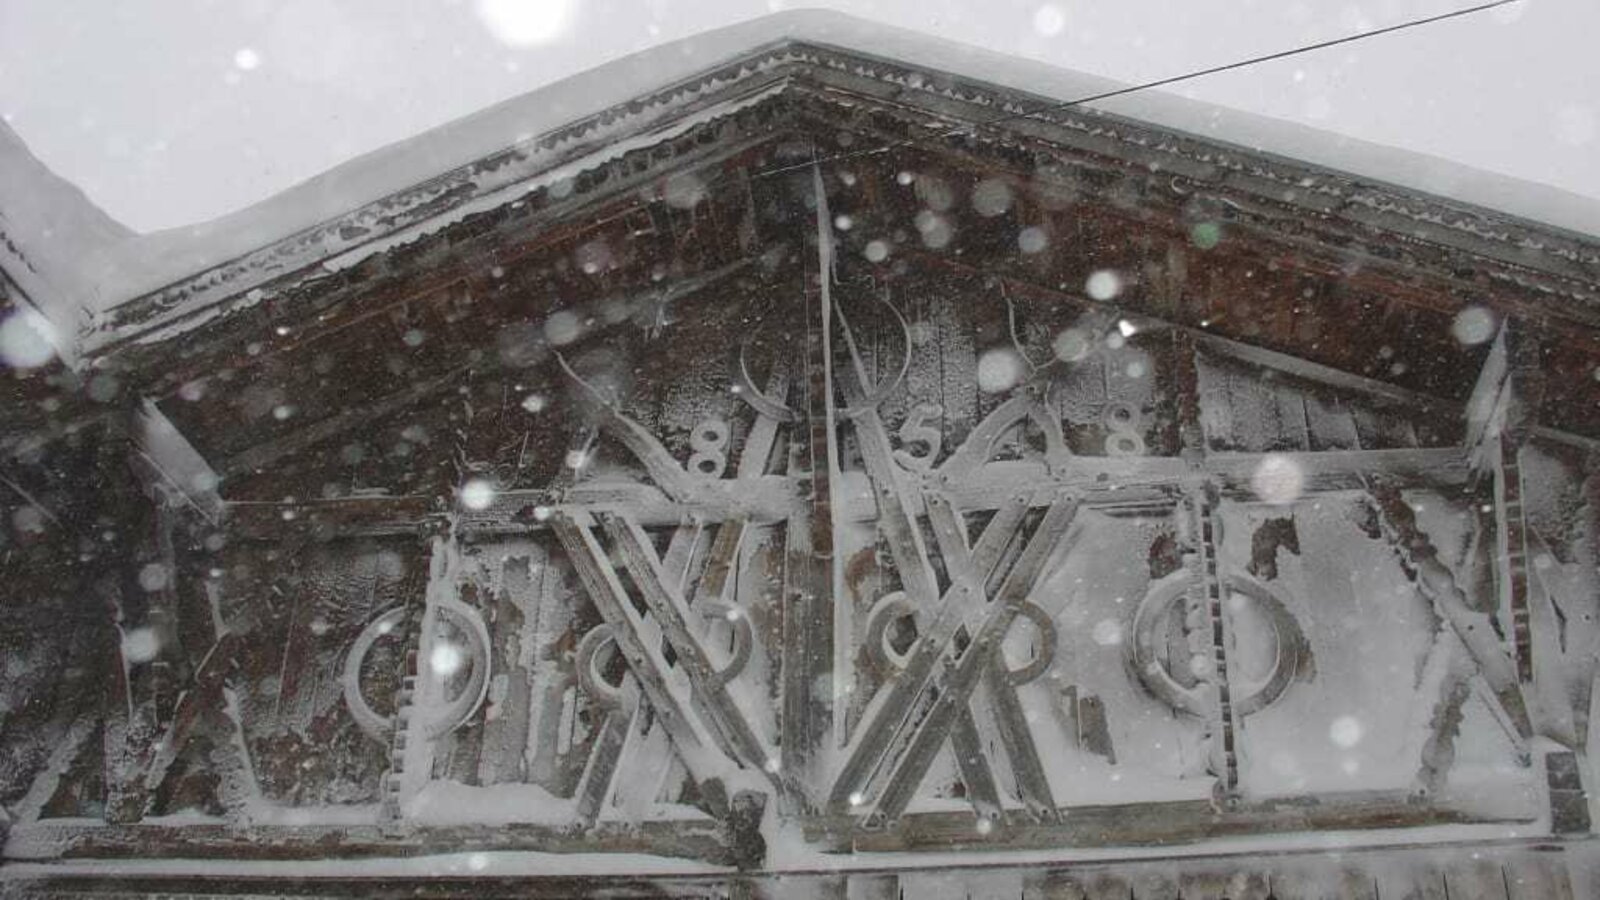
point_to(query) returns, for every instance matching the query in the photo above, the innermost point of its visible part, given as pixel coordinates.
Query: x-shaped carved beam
(663, 688)
(710, 693)
(944, 691)
(998, 680)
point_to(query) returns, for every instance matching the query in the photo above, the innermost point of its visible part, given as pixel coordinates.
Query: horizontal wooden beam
(699, 838)
(1155, 824)
(1109, 484)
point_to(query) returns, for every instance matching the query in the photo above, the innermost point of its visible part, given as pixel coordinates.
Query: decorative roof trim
(1528, 253)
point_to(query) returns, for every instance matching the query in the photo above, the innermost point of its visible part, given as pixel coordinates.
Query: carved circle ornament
(709, 441)
(457, 708)
(1123, 421)
(895, 606)
(592, 659)
(1152, 663)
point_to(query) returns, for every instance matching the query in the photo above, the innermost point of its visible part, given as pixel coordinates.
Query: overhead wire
(1160, 82)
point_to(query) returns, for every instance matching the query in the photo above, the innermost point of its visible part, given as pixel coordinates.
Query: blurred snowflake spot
(26, 340)
(1206, 235)
(28, 520)
(1345, 731)
(1576, 125)
(999, 370)
(683, 191)
(246, 58)
(1107, 632)
(523, 23)
(446, 659)
(1031, 240)
(1103, 284)
(935, 229)
(991, 197)
(1278, 479)
(876, 251)
(562, 327)
(594, 257)
(1472, 326)
(1505, 15)
(534, 403)
(153, 577)
(1072, 345)
(477, 494)
(1049, 20)
(140, 645)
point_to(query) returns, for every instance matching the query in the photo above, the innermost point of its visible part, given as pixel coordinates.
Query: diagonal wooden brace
(951, 686)
(999, 684)
(710, 682)
(205, 693)
(1437, 583)
(666, 693)
(880, 735)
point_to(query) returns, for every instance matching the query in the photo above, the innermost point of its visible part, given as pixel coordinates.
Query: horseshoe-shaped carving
(975, 451)
(663, 468)
(451, 714)
(876, 394)
(1046, 657)
(744, 638)
(1149, 625)
(771, 407)
(890, 608)
(1016, 339)
(367, 719)
(587, 664)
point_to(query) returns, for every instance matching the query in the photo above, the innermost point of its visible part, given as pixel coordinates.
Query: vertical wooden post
(808, 602)
(1186, 363)
(1214, 644)
(1523, 390)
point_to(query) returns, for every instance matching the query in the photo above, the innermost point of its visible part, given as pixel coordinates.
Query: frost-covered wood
(739, 498)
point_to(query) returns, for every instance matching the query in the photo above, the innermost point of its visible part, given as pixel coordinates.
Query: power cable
(1161, 82)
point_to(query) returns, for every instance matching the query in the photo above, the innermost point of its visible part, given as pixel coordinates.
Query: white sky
(169, 112)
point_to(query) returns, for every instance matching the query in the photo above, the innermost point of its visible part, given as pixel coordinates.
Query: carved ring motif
(895, 606)
(1149, 632)
(590, 679)
(450, 715)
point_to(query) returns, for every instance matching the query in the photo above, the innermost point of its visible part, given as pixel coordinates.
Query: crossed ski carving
(962, 627)
(928, 703)
(710, 727)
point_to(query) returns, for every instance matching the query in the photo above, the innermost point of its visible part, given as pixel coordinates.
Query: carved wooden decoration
(750, 502)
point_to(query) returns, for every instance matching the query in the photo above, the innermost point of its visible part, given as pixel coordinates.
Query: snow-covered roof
(77, 263)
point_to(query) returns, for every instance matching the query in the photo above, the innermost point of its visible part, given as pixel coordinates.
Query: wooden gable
(842, 472)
